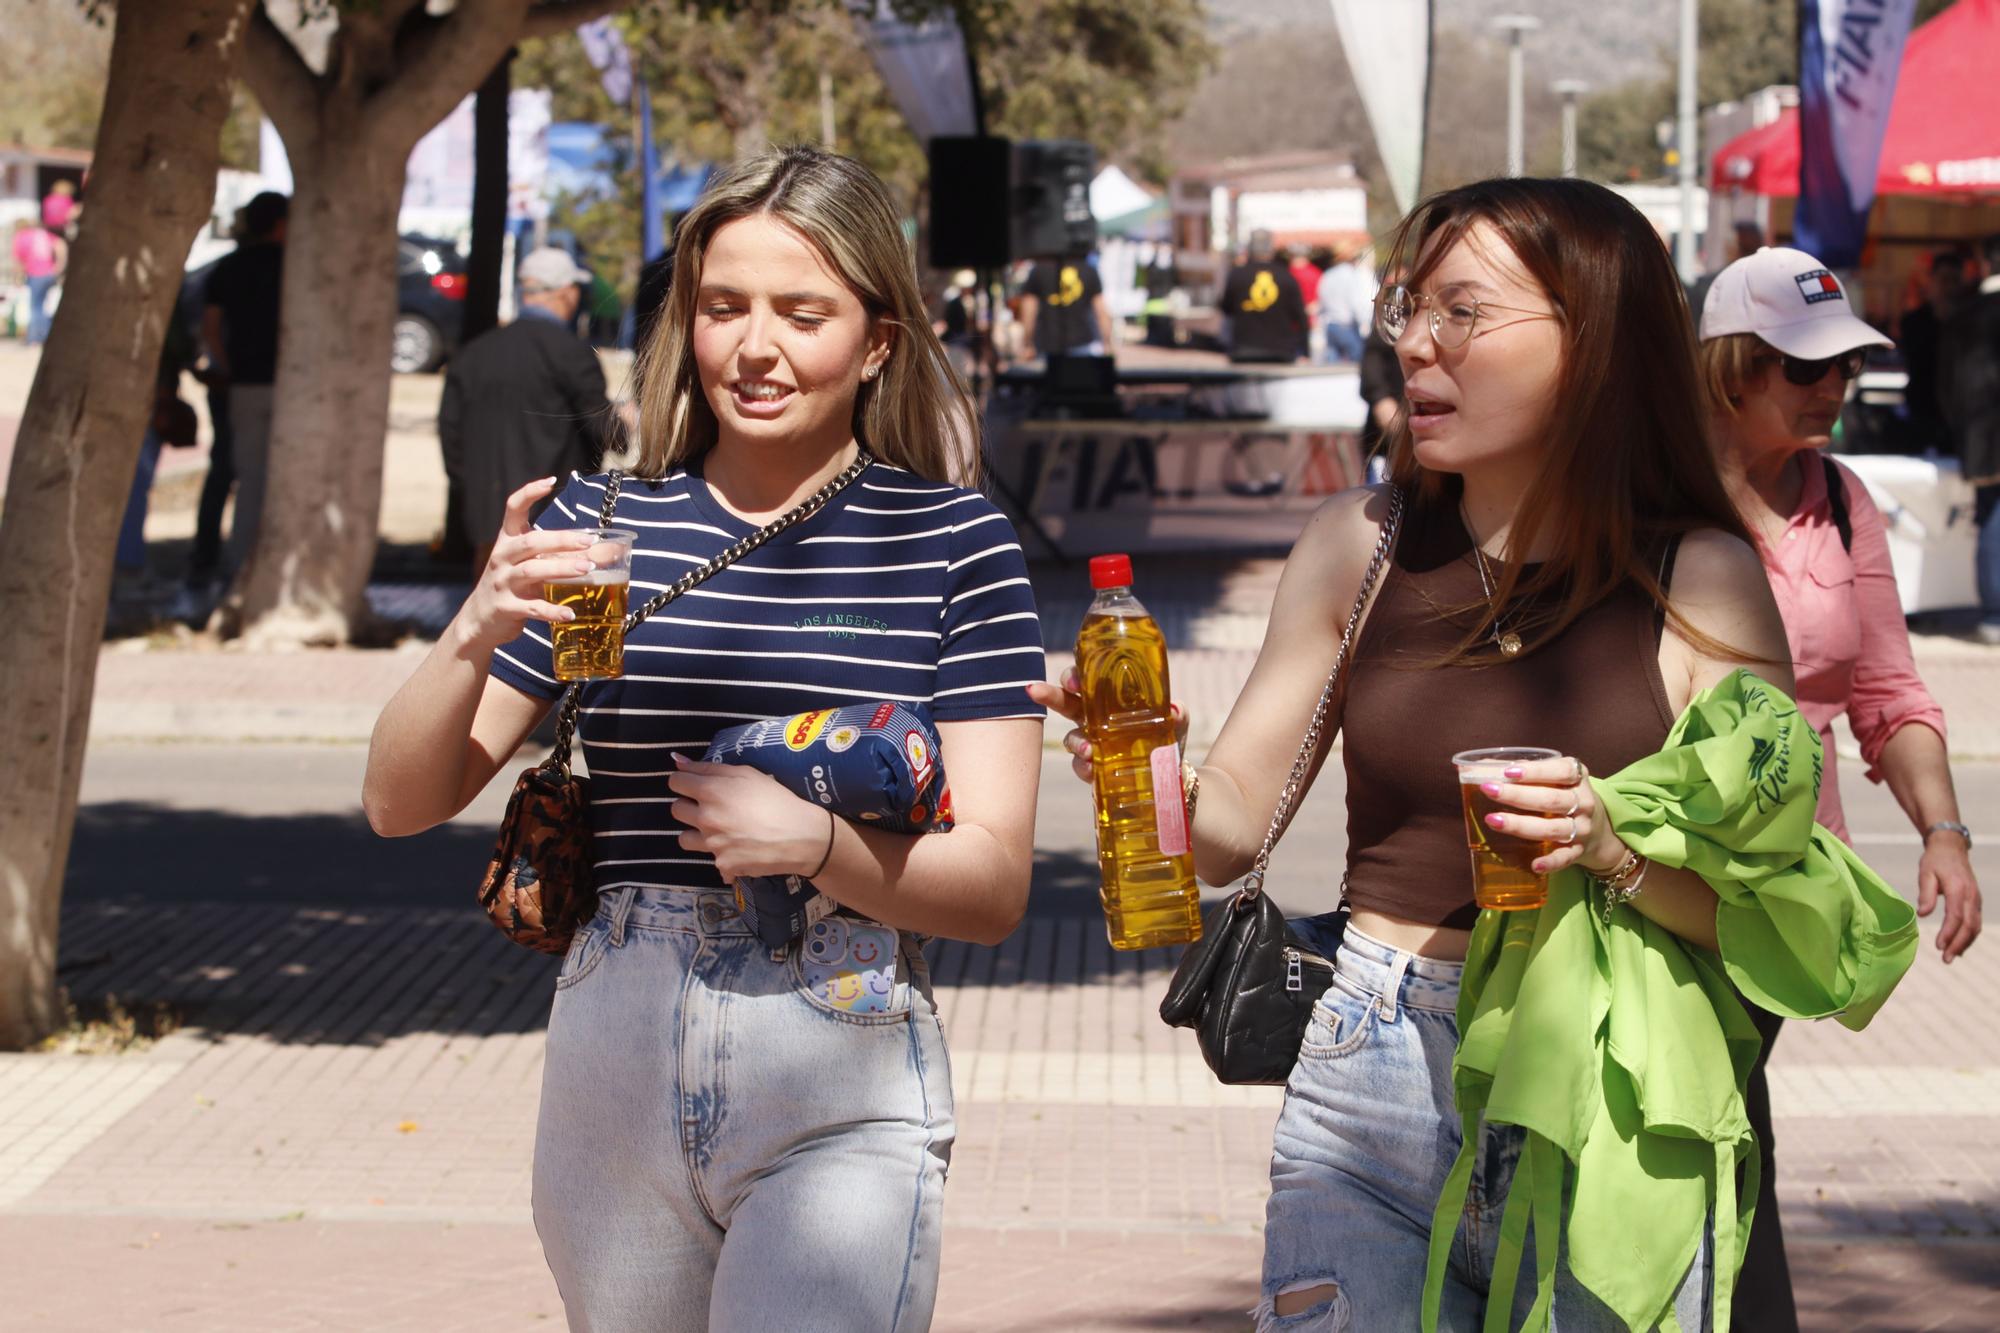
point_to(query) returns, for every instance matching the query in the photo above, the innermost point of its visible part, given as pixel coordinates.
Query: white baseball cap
(549, 269)
(1790, 300)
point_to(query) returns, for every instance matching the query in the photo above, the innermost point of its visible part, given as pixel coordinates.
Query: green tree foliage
(727, 79)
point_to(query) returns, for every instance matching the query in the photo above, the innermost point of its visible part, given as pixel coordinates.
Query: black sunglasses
(1805, 373)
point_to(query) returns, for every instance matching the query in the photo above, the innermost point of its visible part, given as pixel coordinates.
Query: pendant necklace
(1507, 641)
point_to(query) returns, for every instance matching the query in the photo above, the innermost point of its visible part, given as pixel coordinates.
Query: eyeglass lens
(1453, 312)
(1806, 373)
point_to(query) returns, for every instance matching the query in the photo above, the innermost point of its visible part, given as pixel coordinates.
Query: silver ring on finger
(1575, 800)
(1581, 771)
(1570, 836)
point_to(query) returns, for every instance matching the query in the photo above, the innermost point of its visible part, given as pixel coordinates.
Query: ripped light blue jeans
(732, 1142)
(1364, 1142)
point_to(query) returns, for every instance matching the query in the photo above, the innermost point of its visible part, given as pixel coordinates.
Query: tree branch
(283, 84)
(552, 18)
(439, 63)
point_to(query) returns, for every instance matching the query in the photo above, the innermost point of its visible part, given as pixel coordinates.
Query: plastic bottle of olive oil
(1144, 860)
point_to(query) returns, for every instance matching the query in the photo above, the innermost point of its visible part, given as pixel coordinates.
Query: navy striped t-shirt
(900, 588)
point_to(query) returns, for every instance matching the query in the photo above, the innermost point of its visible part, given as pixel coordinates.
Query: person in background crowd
(205, 556)
(172, 423)
(1969, 393)
(41, 255)
(1063, 310)
(240, 319)
(1778, 346)
(59, 207)
(1382, 391)
(524, 401)
(956, 322)
(1264, 316)
(1921, 338)
(1306, 274)
(1346, 305)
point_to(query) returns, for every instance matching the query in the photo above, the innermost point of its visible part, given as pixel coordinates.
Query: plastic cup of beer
(592, 647)
(1502, 878)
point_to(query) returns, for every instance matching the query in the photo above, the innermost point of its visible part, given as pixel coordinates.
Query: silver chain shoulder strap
(566, 719)
(1253, 883)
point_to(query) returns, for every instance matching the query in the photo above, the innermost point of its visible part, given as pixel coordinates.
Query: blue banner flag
(1849, 55)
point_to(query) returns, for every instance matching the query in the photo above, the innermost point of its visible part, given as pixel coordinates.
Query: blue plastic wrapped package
(874, 764)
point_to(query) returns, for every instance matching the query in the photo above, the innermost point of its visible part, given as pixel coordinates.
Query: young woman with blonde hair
(721, 1145)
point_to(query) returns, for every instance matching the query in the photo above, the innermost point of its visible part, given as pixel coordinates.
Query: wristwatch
(1950, 826)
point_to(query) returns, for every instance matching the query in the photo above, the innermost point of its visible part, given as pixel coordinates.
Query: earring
(869, 373)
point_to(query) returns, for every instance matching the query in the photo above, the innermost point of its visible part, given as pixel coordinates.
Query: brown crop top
(1594, 692)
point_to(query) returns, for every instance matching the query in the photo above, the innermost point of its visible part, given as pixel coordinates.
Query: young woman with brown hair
(1569, 574)
(729, 1141)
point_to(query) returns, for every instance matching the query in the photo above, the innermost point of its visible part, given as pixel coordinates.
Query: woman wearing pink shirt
(1778, 346)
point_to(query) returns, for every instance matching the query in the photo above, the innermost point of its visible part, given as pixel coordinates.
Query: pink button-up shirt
(1844, 620)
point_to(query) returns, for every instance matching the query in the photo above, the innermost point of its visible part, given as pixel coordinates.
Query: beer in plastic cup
(592, 647)
(1501, 874)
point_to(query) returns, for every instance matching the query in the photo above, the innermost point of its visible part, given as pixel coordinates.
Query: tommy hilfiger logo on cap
(1817, 286)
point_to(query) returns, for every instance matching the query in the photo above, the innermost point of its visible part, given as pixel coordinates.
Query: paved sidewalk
(340, 1136)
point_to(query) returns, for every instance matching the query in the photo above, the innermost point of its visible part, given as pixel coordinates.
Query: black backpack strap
(1836, 499)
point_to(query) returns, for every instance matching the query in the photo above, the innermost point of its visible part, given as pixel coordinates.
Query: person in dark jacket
(1969, 393)
(524, 401)
(1263, 307)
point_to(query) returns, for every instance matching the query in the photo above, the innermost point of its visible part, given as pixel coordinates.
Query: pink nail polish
(1490, 788)
(1496, 821)
(1514, 773)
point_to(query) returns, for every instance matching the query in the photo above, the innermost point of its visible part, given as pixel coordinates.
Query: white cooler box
(1927, 508)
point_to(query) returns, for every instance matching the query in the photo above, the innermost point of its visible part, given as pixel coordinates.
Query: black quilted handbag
(1248, 985)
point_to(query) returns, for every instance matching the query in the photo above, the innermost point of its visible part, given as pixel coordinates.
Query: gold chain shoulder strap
(558, 760)
(1253, 883)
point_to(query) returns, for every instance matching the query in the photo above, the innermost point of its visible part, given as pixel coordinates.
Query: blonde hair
(915, 414)
(1727, 364)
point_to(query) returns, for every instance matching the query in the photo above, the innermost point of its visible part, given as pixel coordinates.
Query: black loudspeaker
(969, 180)
(1049, 213)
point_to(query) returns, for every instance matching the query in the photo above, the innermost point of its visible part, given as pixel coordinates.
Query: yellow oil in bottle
(1144, 857)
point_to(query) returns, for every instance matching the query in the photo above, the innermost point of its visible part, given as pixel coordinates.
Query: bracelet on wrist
(1190, 788)
(827, 855)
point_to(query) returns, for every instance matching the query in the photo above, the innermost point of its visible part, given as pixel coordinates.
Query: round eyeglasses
(1455, 311)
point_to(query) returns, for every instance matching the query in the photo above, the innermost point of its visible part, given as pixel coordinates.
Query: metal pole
(826, 126)
(1569, 90)
(1515, 25)
(1684, 142)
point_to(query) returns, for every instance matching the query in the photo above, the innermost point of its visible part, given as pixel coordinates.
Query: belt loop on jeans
(621, 907)
(1390, 1001)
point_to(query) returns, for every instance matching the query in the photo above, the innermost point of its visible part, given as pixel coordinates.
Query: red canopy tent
(1944, 126)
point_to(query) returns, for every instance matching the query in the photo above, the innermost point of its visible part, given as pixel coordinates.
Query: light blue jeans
(732, 1142)
(1364, 1142)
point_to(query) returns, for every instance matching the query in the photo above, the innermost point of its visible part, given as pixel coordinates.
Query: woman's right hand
(1067, 700)
(508, 592)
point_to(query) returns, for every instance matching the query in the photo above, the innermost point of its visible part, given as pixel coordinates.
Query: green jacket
(1623, 1050)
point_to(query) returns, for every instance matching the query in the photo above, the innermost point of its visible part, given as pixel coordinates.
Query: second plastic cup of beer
(1501, 877)
(592, 647)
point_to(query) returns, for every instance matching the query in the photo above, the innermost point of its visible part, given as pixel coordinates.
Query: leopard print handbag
(539, 885)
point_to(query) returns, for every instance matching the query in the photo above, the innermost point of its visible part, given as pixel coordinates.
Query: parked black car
(430, 303)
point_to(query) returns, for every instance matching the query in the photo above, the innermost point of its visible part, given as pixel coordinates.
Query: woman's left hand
(1945, 871)
(1562, 808)
(746, 820)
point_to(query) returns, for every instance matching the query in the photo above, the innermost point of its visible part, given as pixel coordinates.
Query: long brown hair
(916, 414)
(1626, 461)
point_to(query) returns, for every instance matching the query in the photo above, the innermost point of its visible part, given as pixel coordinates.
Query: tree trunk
(489, 203)
(306, 582)
(151, 185)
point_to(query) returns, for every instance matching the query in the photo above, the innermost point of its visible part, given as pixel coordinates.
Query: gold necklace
(1507, 641)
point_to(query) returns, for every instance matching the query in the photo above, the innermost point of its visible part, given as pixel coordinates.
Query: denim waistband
(1399, 977)
(711, 912)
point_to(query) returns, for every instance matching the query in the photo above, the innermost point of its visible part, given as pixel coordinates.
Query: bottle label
(1169, 811)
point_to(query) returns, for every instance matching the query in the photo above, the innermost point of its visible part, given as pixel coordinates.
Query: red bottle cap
(1111, 571)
